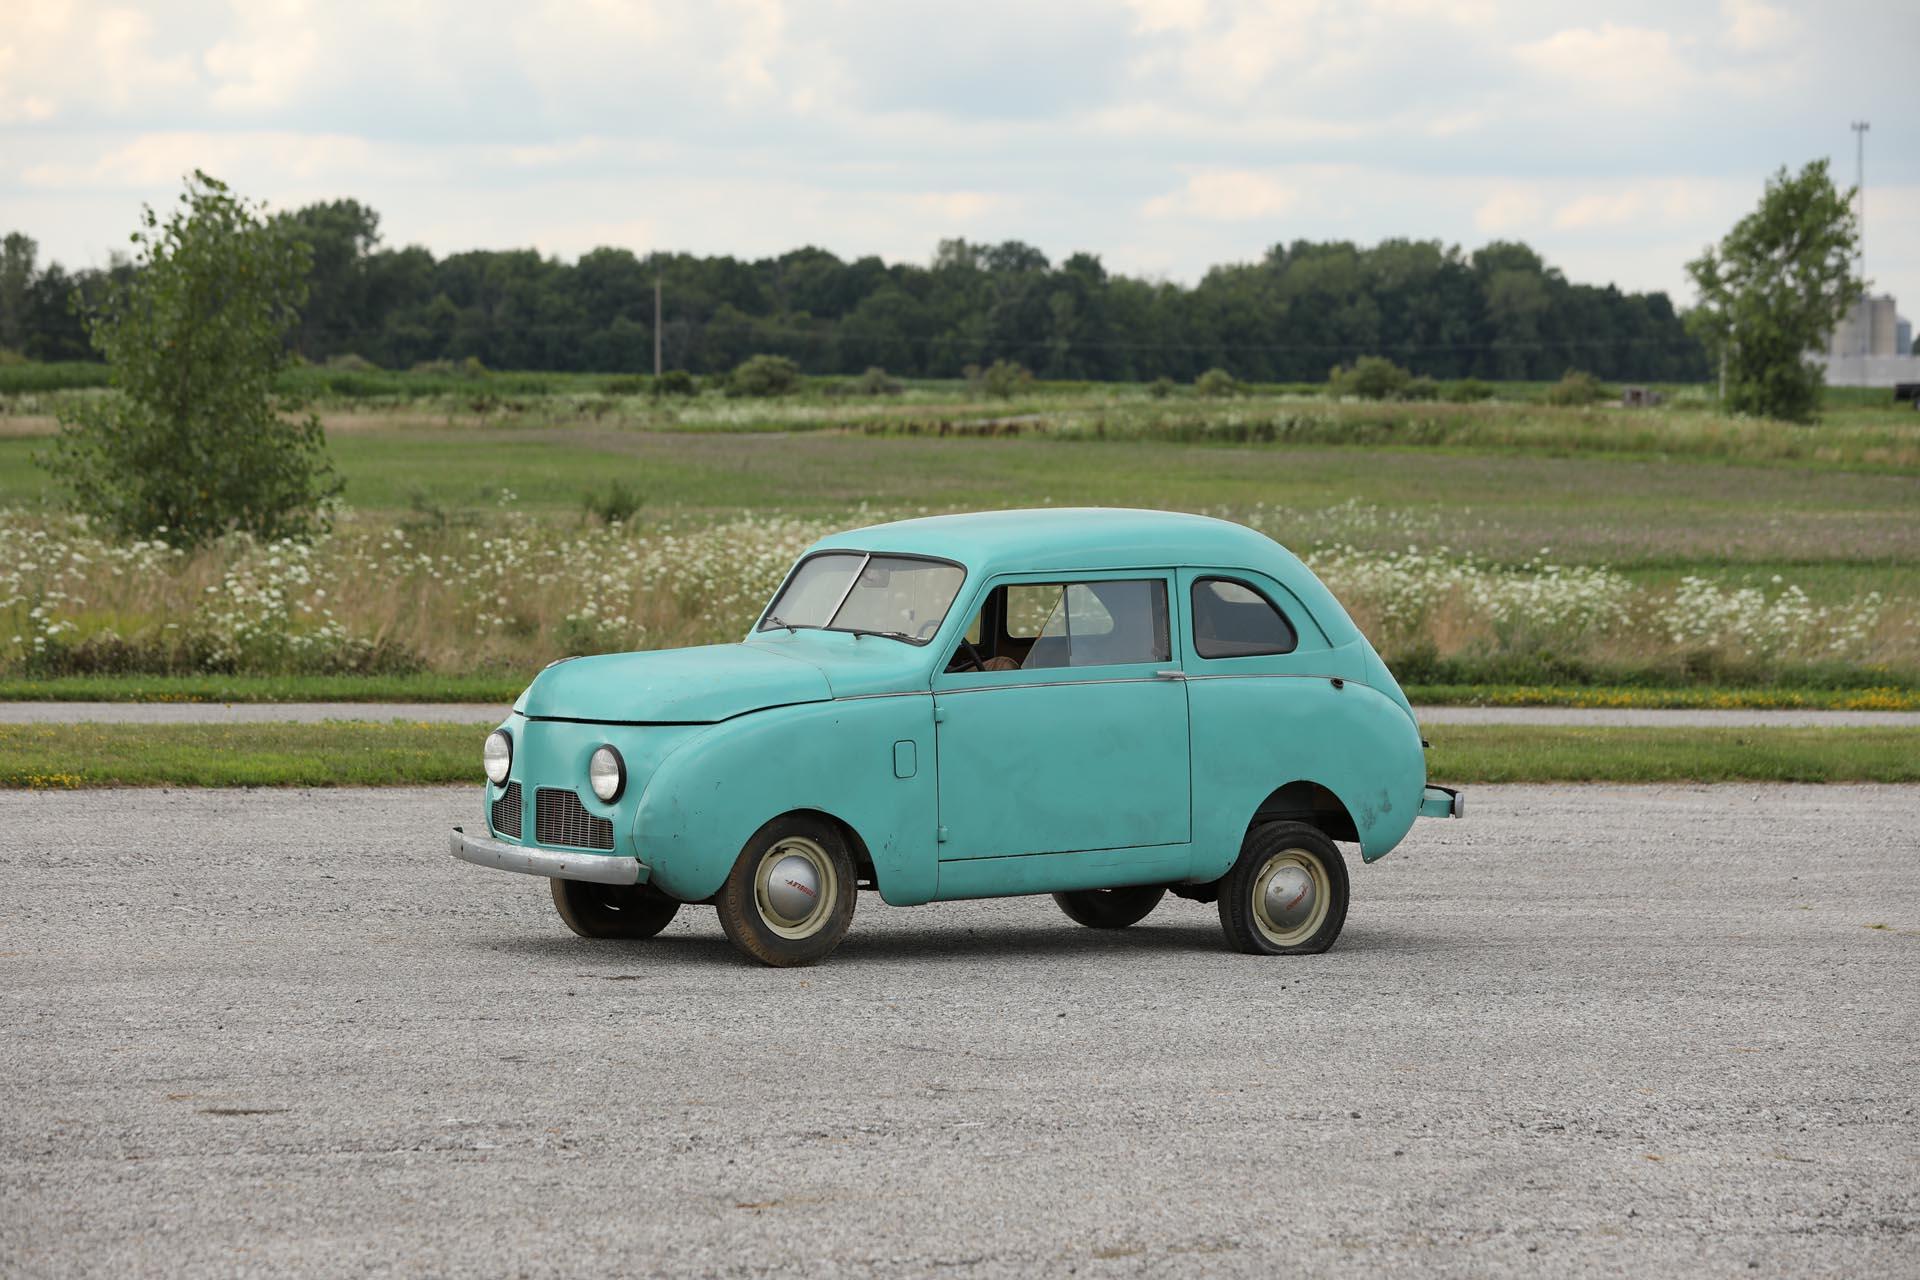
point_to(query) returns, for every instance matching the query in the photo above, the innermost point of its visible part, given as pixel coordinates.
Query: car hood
(672, 686)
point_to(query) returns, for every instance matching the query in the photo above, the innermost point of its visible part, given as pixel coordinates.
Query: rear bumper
(600, 868)
(1443, 802)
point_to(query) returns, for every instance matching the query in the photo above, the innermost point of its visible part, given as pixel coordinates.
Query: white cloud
(1152, 16)
(1510, 207)
(1608, 57)
(1753, 25)
(1230, 195)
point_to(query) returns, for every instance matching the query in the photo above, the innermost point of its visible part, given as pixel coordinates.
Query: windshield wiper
(774, 619)
(901, 636)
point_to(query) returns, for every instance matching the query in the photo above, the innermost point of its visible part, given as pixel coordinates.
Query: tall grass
(514, 591)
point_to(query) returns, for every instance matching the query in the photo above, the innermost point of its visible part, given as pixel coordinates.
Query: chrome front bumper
(600, 868)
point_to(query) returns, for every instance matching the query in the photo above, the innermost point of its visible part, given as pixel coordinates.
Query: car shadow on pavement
(965, 944)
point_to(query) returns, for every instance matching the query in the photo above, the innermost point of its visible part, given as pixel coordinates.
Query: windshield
(898, 596)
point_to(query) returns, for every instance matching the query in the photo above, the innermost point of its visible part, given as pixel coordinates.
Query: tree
(196, 444)
(16, 290)
(1772, 291)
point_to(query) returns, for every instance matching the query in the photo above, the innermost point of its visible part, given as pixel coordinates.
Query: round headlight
(497, 756)
(606, 774)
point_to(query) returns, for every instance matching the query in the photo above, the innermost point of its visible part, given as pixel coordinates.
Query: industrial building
(1872, 346)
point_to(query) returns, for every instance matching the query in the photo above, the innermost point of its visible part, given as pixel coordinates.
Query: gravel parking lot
(1624, 1030)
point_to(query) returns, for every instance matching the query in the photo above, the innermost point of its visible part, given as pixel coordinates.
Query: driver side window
(1033, 626)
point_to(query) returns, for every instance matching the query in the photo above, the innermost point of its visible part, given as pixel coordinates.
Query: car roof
(1068, 539)
(1050, 538)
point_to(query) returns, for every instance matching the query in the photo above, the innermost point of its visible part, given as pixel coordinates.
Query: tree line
(1498, 312)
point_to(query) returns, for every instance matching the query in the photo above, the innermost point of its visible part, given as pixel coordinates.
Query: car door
(1083, 745)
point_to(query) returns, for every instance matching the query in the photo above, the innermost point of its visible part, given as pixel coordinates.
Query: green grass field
(1653, 498)
(350, 753)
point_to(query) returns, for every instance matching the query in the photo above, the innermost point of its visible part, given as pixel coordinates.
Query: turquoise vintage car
(1103, 705)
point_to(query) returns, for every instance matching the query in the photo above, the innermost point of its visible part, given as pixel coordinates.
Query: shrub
(1161, 387)
(1420, 388)
(1466, 391)
(630, 384)
(674, 382)
(618, 503)
(1002, 379)
(1576, 387)
(468, 368)
(9, 357)
(876, 382)
(348, 362)
(761, 376)
(1370, 378)
(1216, 382)
(196, 443)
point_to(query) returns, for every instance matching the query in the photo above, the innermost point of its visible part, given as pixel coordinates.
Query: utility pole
(656, 326)
(1865, 305)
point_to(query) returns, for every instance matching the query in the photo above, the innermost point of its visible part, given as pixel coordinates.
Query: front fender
(844, 759)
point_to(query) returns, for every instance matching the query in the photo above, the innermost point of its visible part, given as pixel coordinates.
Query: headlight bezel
(506, 762)
(619, 773)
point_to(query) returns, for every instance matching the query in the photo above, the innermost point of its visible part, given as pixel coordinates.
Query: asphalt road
(487, 713)
(1588, 1030)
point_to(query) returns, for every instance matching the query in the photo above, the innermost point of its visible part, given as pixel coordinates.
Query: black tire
(750, 912)
(1303, 855)
(612, 910)
(1110, 908)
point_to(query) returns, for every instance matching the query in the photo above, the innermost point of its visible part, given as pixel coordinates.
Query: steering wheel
(972, 655)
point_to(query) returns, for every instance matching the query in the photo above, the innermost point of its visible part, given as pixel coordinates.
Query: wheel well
(862, 859)
(1311, 803)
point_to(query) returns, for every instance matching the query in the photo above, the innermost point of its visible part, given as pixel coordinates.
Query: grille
(506, 811)
(560, 818)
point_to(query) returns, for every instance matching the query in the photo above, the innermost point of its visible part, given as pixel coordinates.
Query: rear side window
(1232, 620)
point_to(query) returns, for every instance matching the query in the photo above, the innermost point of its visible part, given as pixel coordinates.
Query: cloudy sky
(1164, 135)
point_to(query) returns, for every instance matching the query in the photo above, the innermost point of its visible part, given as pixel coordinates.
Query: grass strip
(504, 689)
(395, 753)
(342, 689)
(338, 753)
(1708, 697)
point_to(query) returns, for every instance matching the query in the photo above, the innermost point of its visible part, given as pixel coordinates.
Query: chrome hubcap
(795, 887)
(1290, 897)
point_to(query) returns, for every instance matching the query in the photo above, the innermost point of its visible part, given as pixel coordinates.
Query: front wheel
(789, 898)
(612, 910)
(1287, 895)
(1110, 908)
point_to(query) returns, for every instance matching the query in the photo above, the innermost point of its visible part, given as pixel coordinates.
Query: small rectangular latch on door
(940, 834)
(939, 713)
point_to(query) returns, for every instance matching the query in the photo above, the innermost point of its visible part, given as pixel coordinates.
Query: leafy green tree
(195, 443)
(1215, 383)
(765, 376)
(1576, 387)
(1370, 378)
(1772, 291)
(16, 290)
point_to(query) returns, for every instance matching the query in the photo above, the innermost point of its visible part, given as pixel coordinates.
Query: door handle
(1171, 675)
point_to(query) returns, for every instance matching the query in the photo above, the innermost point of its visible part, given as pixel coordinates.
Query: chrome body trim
(598, 868)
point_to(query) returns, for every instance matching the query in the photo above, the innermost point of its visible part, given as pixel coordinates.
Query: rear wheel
(789, 898)
(1110, 908)
(1287, 895)
(612, 910)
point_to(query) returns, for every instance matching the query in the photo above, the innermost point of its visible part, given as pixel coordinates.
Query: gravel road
(487, 713)
(1632, 1031)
